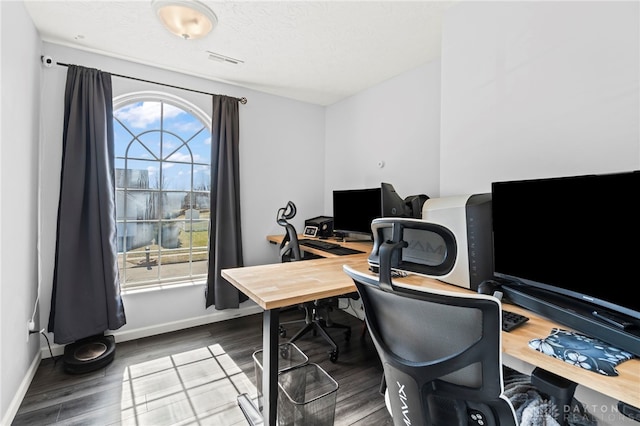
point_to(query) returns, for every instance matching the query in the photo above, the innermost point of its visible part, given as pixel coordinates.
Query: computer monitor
(566, 247)
(355, 209)
(573, 236)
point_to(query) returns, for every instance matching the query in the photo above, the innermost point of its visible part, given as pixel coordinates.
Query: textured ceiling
(313, 51)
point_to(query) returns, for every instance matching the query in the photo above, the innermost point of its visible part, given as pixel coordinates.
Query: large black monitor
(355, 209)
(572, 241)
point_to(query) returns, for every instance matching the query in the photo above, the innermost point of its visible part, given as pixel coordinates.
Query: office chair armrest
(386, 252)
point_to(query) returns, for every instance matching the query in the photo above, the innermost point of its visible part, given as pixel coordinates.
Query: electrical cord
(55, 360)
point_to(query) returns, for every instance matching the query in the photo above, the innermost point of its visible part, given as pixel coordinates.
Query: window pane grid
(195, 163)
(138, 138)
(162, 213)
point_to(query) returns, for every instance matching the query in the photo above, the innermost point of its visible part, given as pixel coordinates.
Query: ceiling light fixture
(188, 19)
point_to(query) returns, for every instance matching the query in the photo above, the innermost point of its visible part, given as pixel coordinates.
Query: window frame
(204, 118)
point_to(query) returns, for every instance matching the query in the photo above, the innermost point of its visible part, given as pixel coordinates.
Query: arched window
(163, 177)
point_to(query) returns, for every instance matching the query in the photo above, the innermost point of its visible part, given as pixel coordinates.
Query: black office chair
(441, 353)
(317, 313)
(289, 251)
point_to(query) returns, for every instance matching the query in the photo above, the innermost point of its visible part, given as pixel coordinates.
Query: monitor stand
(344, 238)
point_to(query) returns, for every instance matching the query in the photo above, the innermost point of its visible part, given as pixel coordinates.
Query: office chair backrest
(289, 247)
(441, 353)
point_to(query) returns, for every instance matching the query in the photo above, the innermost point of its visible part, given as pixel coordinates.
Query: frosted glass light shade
(188, 19)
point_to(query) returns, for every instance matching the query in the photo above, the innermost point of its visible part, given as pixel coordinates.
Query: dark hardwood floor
(193, 376)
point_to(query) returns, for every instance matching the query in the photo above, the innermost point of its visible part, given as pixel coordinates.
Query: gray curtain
(86, 287)
(225, 237)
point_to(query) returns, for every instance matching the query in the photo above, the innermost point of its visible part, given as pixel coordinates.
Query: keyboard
(511, 320)
(332, 248)
(343, 251)
(318, 244)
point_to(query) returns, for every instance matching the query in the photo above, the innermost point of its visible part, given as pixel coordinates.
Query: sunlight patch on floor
(196, 387)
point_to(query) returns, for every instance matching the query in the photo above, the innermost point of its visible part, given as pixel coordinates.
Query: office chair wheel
(285, 352)
(282, 331)
(333, 356)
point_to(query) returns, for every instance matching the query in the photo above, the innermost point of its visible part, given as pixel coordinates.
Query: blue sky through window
(143, 120)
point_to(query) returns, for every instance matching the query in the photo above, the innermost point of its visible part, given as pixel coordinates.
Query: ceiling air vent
(221, 58)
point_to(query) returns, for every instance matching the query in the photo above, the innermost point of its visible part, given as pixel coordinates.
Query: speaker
(324, 225)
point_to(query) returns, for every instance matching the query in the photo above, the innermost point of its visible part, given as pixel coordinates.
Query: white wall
(397, 122)
(19, 132)
(538, 89)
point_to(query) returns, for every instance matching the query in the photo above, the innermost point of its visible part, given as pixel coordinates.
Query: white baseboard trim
(139, 333)
(12, 410)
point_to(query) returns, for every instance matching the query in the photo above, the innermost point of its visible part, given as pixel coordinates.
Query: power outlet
(31, 328)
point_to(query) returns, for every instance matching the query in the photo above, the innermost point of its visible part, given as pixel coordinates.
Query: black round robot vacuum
(89, 354)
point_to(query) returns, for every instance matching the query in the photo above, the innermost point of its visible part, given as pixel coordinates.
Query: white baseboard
(14, 405)
(168, 327)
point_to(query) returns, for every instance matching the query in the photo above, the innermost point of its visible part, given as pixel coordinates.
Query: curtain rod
(242, 100)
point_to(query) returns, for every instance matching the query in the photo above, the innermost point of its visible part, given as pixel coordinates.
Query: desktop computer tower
(469, 218)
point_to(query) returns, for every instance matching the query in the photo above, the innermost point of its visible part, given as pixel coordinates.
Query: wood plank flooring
(193, 376)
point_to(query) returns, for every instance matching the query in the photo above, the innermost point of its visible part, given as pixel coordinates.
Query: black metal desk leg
(270, 321)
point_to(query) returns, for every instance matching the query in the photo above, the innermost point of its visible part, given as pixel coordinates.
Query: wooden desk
(284, 284)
